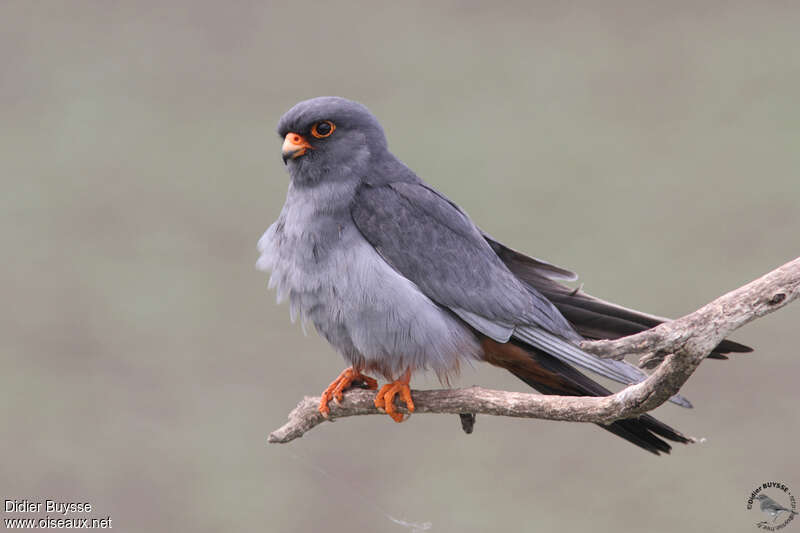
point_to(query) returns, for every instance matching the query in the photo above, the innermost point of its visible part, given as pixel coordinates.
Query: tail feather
(590, 316)
(551, 376)
(596, 319)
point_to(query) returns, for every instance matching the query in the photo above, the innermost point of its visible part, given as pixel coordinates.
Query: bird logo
(777, 514)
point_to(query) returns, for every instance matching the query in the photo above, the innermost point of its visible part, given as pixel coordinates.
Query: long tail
(549, 375)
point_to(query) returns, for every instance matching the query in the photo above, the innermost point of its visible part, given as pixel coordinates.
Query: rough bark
(676, 348)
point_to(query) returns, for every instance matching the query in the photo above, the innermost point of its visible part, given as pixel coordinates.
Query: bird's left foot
(385, 397)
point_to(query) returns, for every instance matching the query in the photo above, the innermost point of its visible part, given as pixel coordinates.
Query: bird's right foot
(345, 380)
(384, 400)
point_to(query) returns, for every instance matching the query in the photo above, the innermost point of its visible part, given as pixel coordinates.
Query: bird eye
(323, 129)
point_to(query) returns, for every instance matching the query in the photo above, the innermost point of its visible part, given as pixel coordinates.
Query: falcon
(399, 279)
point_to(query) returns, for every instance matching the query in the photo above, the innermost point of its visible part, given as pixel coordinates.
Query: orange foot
(342, 383)
(385, 398)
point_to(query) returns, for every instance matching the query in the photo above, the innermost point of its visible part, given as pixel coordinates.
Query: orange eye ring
(326, 126)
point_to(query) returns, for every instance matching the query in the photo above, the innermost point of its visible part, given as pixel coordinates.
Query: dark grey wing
(431, 242)
(517, 261)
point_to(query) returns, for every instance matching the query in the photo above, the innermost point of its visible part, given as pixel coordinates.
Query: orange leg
(340, 384)
(385, 398)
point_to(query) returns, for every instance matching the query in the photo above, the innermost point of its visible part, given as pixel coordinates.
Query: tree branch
(676, 347)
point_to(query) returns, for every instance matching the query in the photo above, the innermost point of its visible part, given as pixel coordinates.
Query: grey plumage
(426, 237)
(334, 278)
(397, 277)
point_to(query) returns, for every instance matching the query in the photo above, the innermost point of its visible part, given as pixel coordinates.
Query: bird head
(329, 139)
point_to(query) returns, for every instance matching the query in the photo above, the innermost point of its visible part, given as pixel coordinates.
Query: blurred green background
(651, 147)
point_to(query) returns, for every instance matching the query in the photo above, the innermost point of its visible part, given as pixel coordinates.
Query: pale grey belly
(372, 315)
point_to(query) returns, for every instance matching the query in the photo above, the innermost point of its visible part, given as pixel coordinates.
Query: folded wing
(431, 242)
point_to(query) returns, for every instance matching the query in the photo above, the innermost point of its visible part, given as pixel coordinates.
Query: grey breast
(335, 279)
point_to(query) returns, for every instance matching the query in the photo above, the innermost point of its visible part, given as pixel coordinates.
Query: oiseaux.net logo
(776, 504)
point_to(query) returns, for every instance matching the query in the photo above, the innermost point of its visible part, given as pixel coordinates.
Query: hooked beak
(294, 145)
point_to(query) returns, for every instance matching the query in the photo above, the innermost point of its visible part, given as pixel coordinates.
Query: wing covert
(435, 245)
